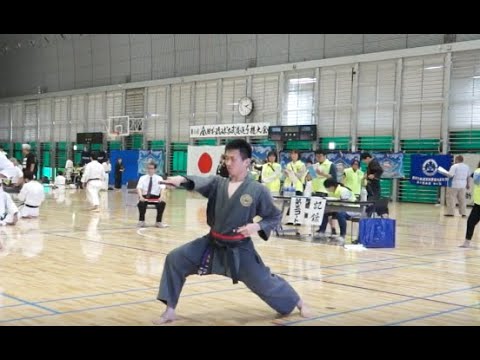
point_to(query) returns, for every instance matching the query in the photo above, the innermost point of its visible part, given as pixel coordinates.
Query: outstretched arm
(202, 185)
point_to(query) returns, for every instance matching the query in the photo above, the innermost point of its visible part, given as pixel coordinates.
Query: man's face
(151, 170)
(24, 152)
(236, 166)
(294, 156)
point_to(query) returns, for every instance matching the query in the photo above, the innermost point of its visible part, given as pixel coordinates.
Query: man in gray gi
(228, 249)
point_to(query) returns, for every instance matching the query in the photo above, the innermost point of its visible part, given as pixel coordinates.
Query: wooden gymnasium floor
(72, 267)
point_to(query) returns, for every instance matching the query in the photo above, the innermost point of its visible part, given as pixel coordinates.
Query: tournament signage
(307, 212)
(229, 130)
(425, 169)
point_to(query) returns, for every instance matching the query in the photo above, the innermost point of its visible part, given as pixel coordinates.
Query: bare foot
(168, 316)
(304, 310)
(466, 244)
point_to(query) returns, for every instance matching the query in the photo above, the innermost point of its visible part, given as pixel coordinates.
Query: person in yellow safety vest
(340, 192)
(254, 171)
(474, 217)
(271, 173)
(353, 178)
(295, 172)
(324, 169)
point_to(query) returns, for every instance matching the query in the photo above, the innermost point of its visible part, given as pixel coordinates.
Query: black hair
(242, 146)
(320, 152)
(365, 155)
(152, 164)
(272, 153)
(60, 173)
(94, 155)
(329, 182)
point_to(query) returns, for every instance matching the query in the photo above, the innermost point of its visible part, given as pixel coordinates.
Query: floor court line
(388, 304)
(25, 302)
(123, 291)
(283, 274)
(460, 307)
(235, 289)
(125, 304)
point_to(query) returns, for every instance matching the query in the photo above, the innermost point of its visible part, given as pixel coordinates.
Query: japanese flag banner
(204, 160)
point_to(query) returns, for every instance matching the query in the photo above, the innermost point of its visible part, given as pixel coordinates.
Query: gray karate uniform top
(224, 215)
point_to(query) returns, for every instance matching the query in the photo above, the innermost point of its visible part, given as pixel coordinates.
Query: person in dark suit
(374, 190)
(119, 169)
(222, 167)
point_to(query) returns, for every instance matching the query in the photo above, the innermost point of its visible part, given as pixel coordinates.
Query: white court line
(140, 232)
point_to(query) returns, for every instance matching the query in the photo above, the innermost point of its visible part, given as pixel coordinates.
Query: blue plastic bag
(377, 233)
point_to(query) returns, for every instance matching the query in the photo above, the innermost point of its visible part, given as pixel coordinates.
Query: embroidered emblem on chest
(246, 200)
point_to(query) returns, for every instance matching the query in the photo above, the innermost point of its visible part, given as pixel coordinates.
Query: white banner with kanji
(229, 130)
(307, 212)
(204, 160)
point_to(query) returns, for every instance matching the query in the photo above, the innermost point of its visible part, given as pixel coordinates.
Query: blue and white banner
(342, 161)
(146, 156)
(260, 152)
(284, 158)
(308, 156)
(424, 169)
(391, 163)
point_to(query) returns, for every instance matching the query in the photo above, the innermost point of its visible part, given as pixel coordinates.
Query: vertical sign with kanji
(316, 211)
(297, 210)
(312, 216)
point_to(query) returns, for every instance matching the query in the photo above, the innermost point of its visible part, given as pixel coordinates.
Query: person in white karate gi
(8, 209)
(92, 179)
(107, 167)
(32, 195)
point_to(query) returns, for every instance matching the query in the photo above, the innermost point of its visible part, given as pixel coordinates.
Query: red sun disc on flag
(205, 163)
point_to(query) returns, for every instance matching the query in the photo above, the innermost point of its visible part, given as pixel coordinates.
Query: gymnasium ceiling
(12, 42)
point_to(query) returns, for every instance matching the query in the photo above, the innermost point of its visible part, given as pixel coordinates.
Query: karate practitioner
(107, 168)
(7, 169)
(228, 249)
(32, 196)
(60, 181)
(92, 180)
(8, 209)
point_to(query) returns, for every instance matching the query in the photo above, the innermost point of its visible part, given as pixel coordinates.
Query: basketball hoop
(113, 136)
